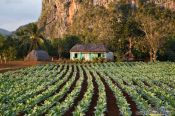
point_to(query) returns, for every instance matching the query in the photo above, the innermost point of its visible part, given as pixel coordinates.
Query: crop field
(109, 89)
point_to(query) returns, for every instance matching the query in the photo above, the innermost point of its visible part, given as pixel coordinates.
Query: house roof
(89, 48)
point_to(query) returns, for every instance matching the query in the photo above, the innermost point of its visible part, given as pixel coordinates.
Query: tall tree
(65, 44)
(31, 36)
(155, 32)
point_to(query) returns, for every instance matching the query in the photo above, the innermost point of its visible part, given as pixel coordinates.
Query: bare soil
(80, 97)
(112, 109)
(95, 96)
(14, 65)
(47, 86)
(133, 105)
(72, 86)
(69, 91)
(59, 88)
(146, 83)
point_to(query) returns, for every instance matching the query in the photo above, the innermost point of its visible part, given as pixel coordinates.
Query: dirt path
(3, 70)
(14, 65)
(72, 86)
(95, 96)
(80, 97)
(112, 109)
(133, 105)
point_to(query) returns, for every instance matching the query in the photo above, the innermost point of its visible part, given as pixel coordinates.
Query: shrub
(100, 60)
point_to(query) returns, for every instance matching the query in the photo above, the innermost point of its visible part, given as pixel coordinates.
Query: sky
(15, 13)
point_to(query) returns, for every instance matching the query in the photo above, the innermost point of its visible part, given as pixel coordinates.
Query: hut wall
(109, 56)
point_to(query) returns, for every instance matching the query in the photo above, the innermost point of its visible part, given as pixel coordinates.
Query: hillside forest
(146, 32)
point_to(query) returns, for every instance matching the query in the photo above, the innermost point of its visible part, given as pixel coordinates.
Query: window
(99, 55)
(75, 55)
(103, 55)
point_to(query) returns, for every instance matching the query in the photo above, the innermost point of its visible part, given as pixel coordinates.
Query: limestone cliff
(58, 15)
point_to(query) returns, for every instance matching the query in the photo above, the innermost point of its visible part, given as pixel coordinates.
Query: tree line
(145, 32)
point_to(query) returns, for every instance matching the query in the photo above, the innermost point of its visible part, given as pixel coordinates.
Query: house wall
(110, 56)
(95, 55)
(90, 56)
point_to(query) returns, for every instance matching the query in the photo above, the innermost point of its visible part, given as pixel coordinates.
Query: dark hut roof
(37, 55)
(89, 48)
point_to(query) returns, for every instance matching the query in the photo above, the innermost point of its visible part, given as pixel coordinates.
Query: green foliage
(67, 4)
(118, 56)
(26, 30)
(131, 28)
(63, 45)
(113, 26)
(79, 1)
(29, 37)
(169, 50)
(139, 54)
(158, 12)
(94, 25)
(2, 39)
(99, 60)
(33, 35)
(24, 36)
(149, 85)
(8, 54)
(8, 47)
(51, 47)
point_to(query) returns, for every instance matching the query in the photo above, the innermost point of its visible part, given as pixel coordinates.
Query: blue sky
(14, 13)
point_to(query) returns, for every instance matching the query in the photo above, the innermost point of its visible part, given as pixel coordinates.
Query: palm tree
(37, 39)
(29, 38)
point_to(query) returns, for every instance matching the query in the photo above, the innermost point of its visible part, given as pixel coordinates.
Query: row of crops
(89, 89)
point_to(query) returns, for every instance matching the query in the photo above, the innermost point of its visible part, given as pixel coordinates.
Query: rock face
(58, 15)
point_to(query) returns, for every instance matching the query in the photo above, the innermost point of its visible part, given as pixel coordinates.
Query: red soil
(50, 84)
(133, 105)
(95, 96)
(80, 97)
(146, 83)
(14, 65)
(59, 88)
(72, 86)
(112, 109)
(69, 91)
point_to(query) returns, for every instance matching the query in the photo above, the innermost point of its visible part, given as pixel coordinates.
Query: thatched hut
(37, 55)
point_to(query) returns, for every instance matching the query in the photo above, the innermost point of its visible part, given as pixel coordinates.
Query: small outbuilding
(37, 55)
(90, 52)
